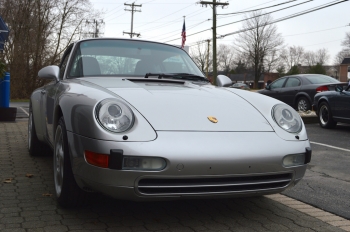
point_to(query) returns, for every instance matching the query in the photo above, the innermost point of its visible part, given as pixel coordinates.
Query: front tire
(325, 116)
(67, 190)
(303, 104)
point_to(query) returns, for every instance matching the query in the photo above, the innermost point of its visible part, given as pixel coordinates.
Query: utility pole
(214, 5)
(96, 23)
(208, 56)
(131, 33)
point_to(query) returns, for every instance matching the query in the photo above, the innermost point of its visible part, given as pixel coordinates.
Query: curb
(309, 119)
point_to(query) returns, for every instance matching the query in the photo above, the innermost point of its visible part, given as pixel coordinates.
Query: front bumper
(199, 164)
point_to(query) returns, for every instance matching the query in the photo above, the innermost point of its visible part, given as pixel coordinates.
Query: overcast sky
(162, 20)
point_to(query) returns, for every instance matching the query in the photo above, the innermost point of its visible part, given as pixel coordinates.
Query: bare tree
(340, 56)
(40, 30)
(292, 55)
(345, 52)
(320, 57)
(258, 41)
(225, 58)
(199, 54)
(346, 42)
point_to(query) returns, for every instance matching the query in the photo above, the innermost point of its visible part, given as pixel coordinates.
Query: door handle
(43, 91)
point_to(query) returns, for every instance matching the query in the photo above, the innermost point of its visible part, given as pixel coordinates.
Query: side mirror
(223, 81)
(51, 72)
(339, 88)
(268, 87)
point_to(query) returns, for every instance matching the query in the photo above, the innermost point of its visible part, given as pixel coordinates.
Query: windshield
(107, 57)
(321, 79)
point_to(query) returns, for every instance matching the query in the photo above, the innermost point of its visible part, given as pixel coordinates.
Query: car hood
(187, 107)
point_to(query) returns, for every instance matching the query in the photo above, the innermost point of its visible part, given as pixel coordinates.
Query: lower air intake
(213, 184)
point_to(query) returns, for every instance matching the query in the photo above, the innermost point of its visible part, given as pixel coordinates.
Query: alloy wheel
(302, 105)
(58, 161)
(324, 115)
(30, 127)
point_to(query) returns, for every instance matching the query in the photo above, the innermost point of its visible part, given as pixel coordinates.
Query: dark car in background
(333, 106)
(299, 90)
(240, 86)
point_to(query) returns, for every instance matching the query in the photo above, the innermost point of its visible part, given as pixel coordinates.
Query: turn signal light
(321, 89)
(96, 159)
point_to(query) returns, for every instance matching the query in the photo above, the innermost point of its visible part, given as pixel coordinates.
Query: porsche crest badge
(212, 119)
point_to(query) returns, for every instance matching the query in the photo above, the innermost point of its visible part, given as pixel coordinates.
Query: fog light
(143, 163)
(294, 160)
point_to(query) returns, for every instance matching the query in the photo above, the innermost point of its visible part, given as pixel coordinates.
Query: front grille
(213, 184)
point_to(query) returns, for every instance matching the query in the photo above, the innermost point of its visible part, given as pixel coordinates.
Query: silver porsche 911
(138, 120)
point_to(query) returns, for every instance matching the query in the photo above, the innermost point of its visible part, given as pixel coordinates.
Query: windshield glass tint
(321, 79)
(129, 58)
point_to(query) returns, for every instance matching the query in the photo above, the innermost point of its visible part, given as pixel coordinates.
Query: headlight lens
(287, 118)
(294, 160)
(114, 115)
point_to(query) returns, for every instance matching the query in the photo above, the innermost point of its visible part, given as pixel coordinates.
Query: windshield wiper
(180, 76)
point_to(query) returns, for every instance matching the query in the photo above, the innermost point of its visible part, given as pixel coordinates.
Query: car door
(290, 89)
(48, 99)
(274, 89)
(342, 105)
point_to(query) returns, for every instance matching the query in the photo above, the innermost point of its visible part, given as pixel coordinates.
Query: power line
(245, 19)
(268, 13)
(166, 24)
(288, 17)
(116, 17)
(177, 21)
(243, 12)
(168, 15)
(187, 29)
(316, 31)
(279, 20)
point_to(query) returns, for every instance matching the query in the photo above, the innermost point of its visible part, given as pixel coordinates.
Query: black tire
(35, 146)
(325, 117)
(303, 104)
(67, 191)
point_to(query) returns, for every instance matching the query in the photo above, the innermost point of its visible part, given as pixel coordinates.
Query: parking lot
(27, 204)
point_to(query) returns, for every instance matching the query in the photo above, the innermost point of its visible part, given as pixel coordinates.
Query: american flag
(183, 35)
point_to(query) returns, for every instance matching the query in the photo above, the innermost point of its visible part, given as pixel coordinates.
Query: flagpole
(183, 34)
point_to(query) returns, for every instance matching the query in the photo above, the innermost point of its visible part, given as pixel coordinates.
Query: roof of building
(346, 60)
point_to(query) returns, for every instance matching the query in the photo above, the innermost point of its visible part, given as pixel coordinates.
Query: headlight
(294, 160)
(114, 115)
(287, 118)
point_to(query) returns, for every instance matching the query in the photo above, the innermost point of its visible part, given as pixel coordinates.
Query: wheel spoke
(58, 161)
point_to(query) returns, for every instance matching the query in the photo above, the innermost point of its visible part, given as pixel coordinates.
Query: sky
(162, 21)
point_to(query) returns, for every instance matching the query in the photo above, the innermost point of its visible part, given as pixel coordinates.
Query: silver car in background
(138, 120)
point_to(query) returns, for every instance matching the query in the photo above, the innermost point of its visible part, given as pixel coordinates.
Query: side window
(277, 84)
(63, 65)
(292, 82)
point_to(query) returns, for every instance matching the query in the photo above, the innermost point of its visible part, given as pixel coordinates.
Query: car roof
(119, 38)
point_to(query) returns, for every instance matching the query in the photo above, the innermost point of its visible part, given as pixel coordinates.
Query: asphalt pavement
(326, 183)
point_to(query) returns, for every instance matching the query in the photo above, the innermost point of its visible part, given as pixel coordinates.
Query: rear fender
(35, 108)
